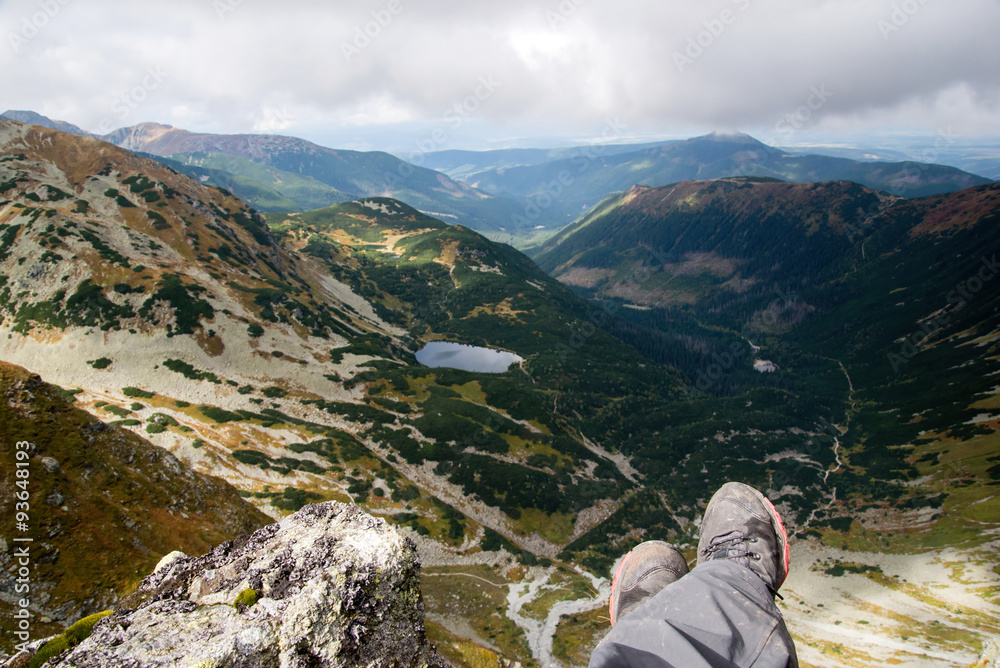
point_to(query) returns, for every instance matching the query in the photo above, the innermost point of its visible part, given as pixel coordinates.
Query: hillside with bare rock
(104, 506)
(279, 355)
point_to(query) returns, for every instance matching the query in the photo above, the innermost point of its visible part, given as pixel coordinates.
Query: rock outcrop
(327, 586)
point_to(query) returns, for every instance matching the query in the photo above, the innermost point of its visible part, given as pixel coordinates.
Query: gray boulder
(332, 585)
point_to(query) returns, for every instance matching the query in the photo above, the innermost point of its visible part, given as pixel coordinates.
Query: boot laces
(734, 545)
(731, 545)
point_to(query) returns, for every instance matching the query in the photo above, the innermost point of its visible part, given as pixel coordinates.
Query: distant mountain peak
(34, 118)
(150, 126)
(727, 136)
(138, 137)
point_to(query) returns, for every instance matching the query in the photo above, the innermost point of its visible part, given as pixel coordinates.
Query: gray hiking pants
(720, 615)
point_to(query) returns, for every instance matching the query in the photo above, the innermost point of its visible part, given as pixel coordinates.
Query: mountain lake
(466, 357)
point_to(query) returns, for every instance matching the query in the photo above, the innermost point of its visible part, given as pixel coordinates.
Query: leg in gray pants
(719, 615)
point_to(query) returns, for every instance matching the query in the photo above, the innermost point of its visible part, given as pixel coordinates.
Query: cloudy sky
(448, 73)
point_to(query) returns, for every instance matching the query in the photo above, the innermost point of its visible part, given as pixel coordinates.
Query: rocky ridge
(332, 586)
(280, 173)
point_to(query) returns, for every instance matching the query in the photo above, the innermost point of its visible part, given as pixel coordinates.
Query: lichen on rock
(335, 587)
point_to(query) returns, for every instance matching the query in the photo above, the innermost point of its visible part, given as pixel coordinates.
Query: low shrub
(220, 415)
(188, 371)
(117, 410)
(165, 420)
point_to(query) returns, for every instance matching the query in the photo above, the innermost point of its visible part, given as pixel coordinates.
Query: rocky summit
(327, 586)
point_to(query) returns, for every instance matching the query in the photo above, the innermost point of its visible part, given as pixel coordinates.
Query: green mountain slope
(747, 221)
(262, 187)
(351, 173)
(882, 303)
(465, 165)
(561, 190)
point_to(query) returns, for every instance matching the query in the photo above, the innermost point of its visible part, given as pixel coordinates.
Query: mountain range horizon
(521, 196)
(915, 146)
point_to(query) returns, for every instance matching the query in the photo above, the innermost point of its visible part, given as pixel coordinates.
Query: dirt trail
(618, 459)
(540, 634)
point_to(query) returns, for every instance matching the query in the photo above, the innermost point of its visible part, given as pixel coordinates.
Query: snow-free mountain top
(563, 189)
(299, 172)
(166, 140)
(34, 118)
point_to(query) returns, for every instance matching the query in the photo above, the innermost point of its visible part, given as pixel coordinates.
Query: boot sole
(779, 526)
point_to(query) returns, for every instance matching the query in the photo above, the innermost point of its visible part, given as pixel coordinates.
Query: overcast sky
(389, 73)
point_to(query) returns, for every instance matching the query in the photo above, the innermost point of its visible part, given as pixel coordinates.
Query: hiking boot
(741, 525)
(644, 571)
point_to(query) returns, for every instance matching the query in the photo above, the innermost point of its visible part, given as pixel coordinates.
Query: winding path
(847, 425)
(540, 635)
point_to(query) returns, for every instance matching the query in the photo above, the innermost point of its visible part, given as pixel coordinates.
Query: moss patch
(73, 636)
(246, 599)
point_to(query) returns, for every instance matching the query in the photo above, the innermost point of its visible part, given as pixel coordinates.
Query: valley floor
(844, 608)
(936, 608)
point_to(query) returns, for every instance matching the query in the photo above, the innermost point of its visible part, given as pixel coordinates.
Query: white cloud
(273, 120)
(377, 110)
(408, 61)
